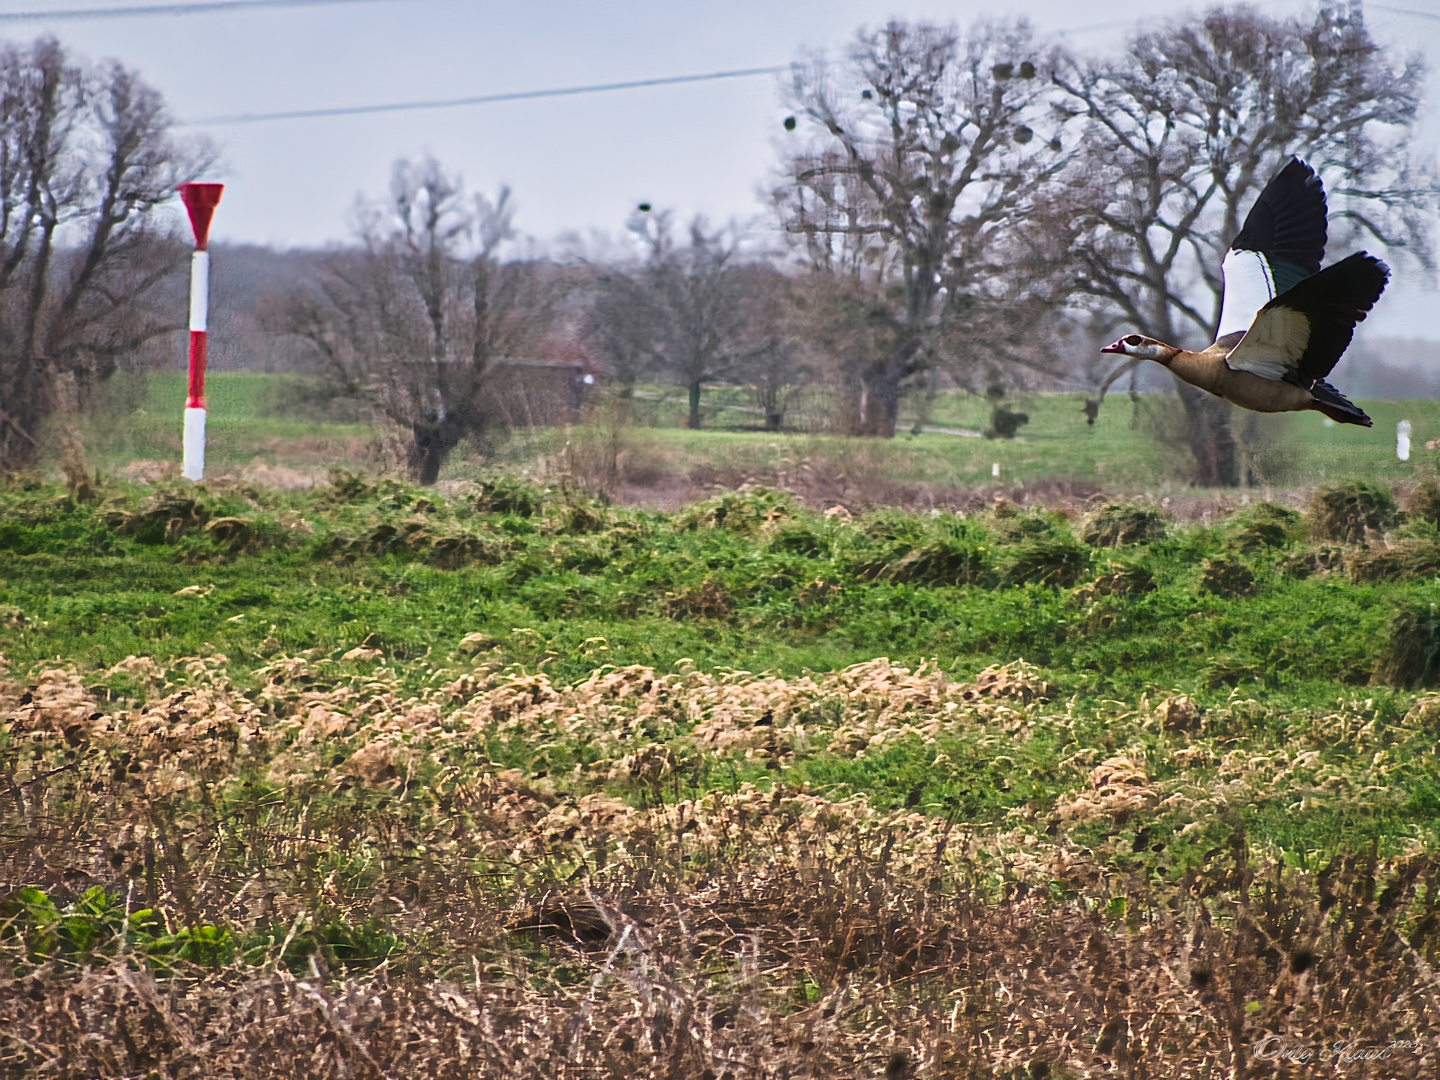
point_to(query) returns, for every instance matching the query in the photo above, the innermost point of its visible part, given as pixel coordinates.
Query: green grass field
(249, 419)
(372, 781)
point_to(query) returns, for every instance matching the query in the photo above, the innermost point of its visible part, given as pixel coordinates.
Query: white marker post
(200, 202)
(1402, 440)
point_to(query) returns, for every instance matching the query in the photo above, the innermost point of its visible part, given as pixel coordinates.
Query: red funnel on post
(200, 201)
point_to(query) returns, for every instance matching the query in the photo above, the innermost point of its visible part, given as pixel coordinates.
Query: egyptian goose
(1284, 322)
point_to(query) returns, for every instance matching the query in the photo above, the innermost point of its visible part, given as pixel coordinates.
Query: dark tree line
(976, 204)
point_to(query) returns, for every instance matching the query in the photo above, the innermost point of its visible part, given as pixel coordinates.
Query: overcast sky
(574, 164)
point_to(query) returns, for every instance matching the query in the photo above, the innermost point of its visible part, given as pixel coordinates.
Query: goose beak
(1115, 346)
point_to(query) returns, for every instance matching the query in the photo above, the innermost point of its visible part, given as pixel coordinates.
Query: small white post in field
(200, 201)
(995, 470)
(1402, 440)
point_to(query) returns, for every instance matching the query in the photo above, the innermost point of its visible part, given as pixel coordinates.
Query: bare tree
(928, 150)
(416, 320)
(776, 373)
(86, 157)
(618, 326)
(1185, 127)
(692, 319)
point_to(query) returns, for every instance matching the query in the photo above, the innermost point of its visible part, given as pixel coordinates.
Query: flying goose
(1284, 322)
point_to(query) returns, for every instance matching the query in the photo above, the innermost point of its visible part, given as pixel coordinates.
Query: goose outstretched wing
(1300, 335)
(1280, 246)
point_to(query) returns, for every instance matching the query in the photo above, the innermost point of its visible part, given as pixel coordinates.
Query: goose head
(1142, 348)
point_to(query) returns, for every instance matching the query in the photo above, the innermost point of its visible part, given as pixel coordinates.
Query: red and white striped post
(200, 202)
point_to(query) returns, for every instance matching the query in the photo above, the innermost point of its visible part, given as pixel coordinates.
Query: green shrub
(707, 600)
(506, 495)
(96, 923)
(348, 487)
(1265, 525)
(744, 512)
(1348, 512)
(338, 942)
(1124, 523)
(453, 552)
(1408, 658)
(799, 539)
(1057, 563)
(943, 561)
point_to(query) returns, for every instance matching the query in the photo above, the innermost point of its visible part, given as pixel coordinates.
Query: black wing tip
(1366, 275)
(1289, 221)
(1358, 418)
(1299, 165)
(1337, 406)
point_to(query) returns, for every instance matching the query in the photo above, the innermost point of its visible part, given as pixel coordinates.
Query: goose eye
(1134, 339)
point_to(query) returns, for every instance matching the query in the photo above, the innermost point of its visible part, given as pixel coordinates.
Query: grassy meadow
(502, 780)
(287, 422)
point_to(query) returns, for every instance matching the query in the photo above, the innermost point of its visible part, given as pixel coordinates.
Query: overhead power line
(517, 95)
(485, 99)
(1405, 11)
(203, 7)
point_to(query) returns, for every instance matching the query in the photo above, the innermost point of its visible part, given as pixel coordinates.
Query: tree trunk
(1211, 438)
(693, 421)
(72, 446)
(881, 390)
(19, 416)
(880, 383)
(428, 452)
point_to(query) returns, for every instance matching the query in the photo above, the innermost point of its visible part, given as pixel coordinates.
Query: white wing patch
(1248, 288)
(1274, 345)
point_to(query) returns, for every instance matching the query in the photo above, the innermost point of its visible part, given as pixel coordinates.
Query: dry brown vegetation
(385, 896)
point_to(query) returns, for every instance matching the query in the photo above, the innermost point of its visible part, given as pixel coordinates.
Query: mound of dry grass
(1226, 578)
(388, 897)
(1117, 524)
(1311, 562)
(1422, 502)
(1411, 559)
(1350, 512)
(1412, 645)
(1118, 579)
